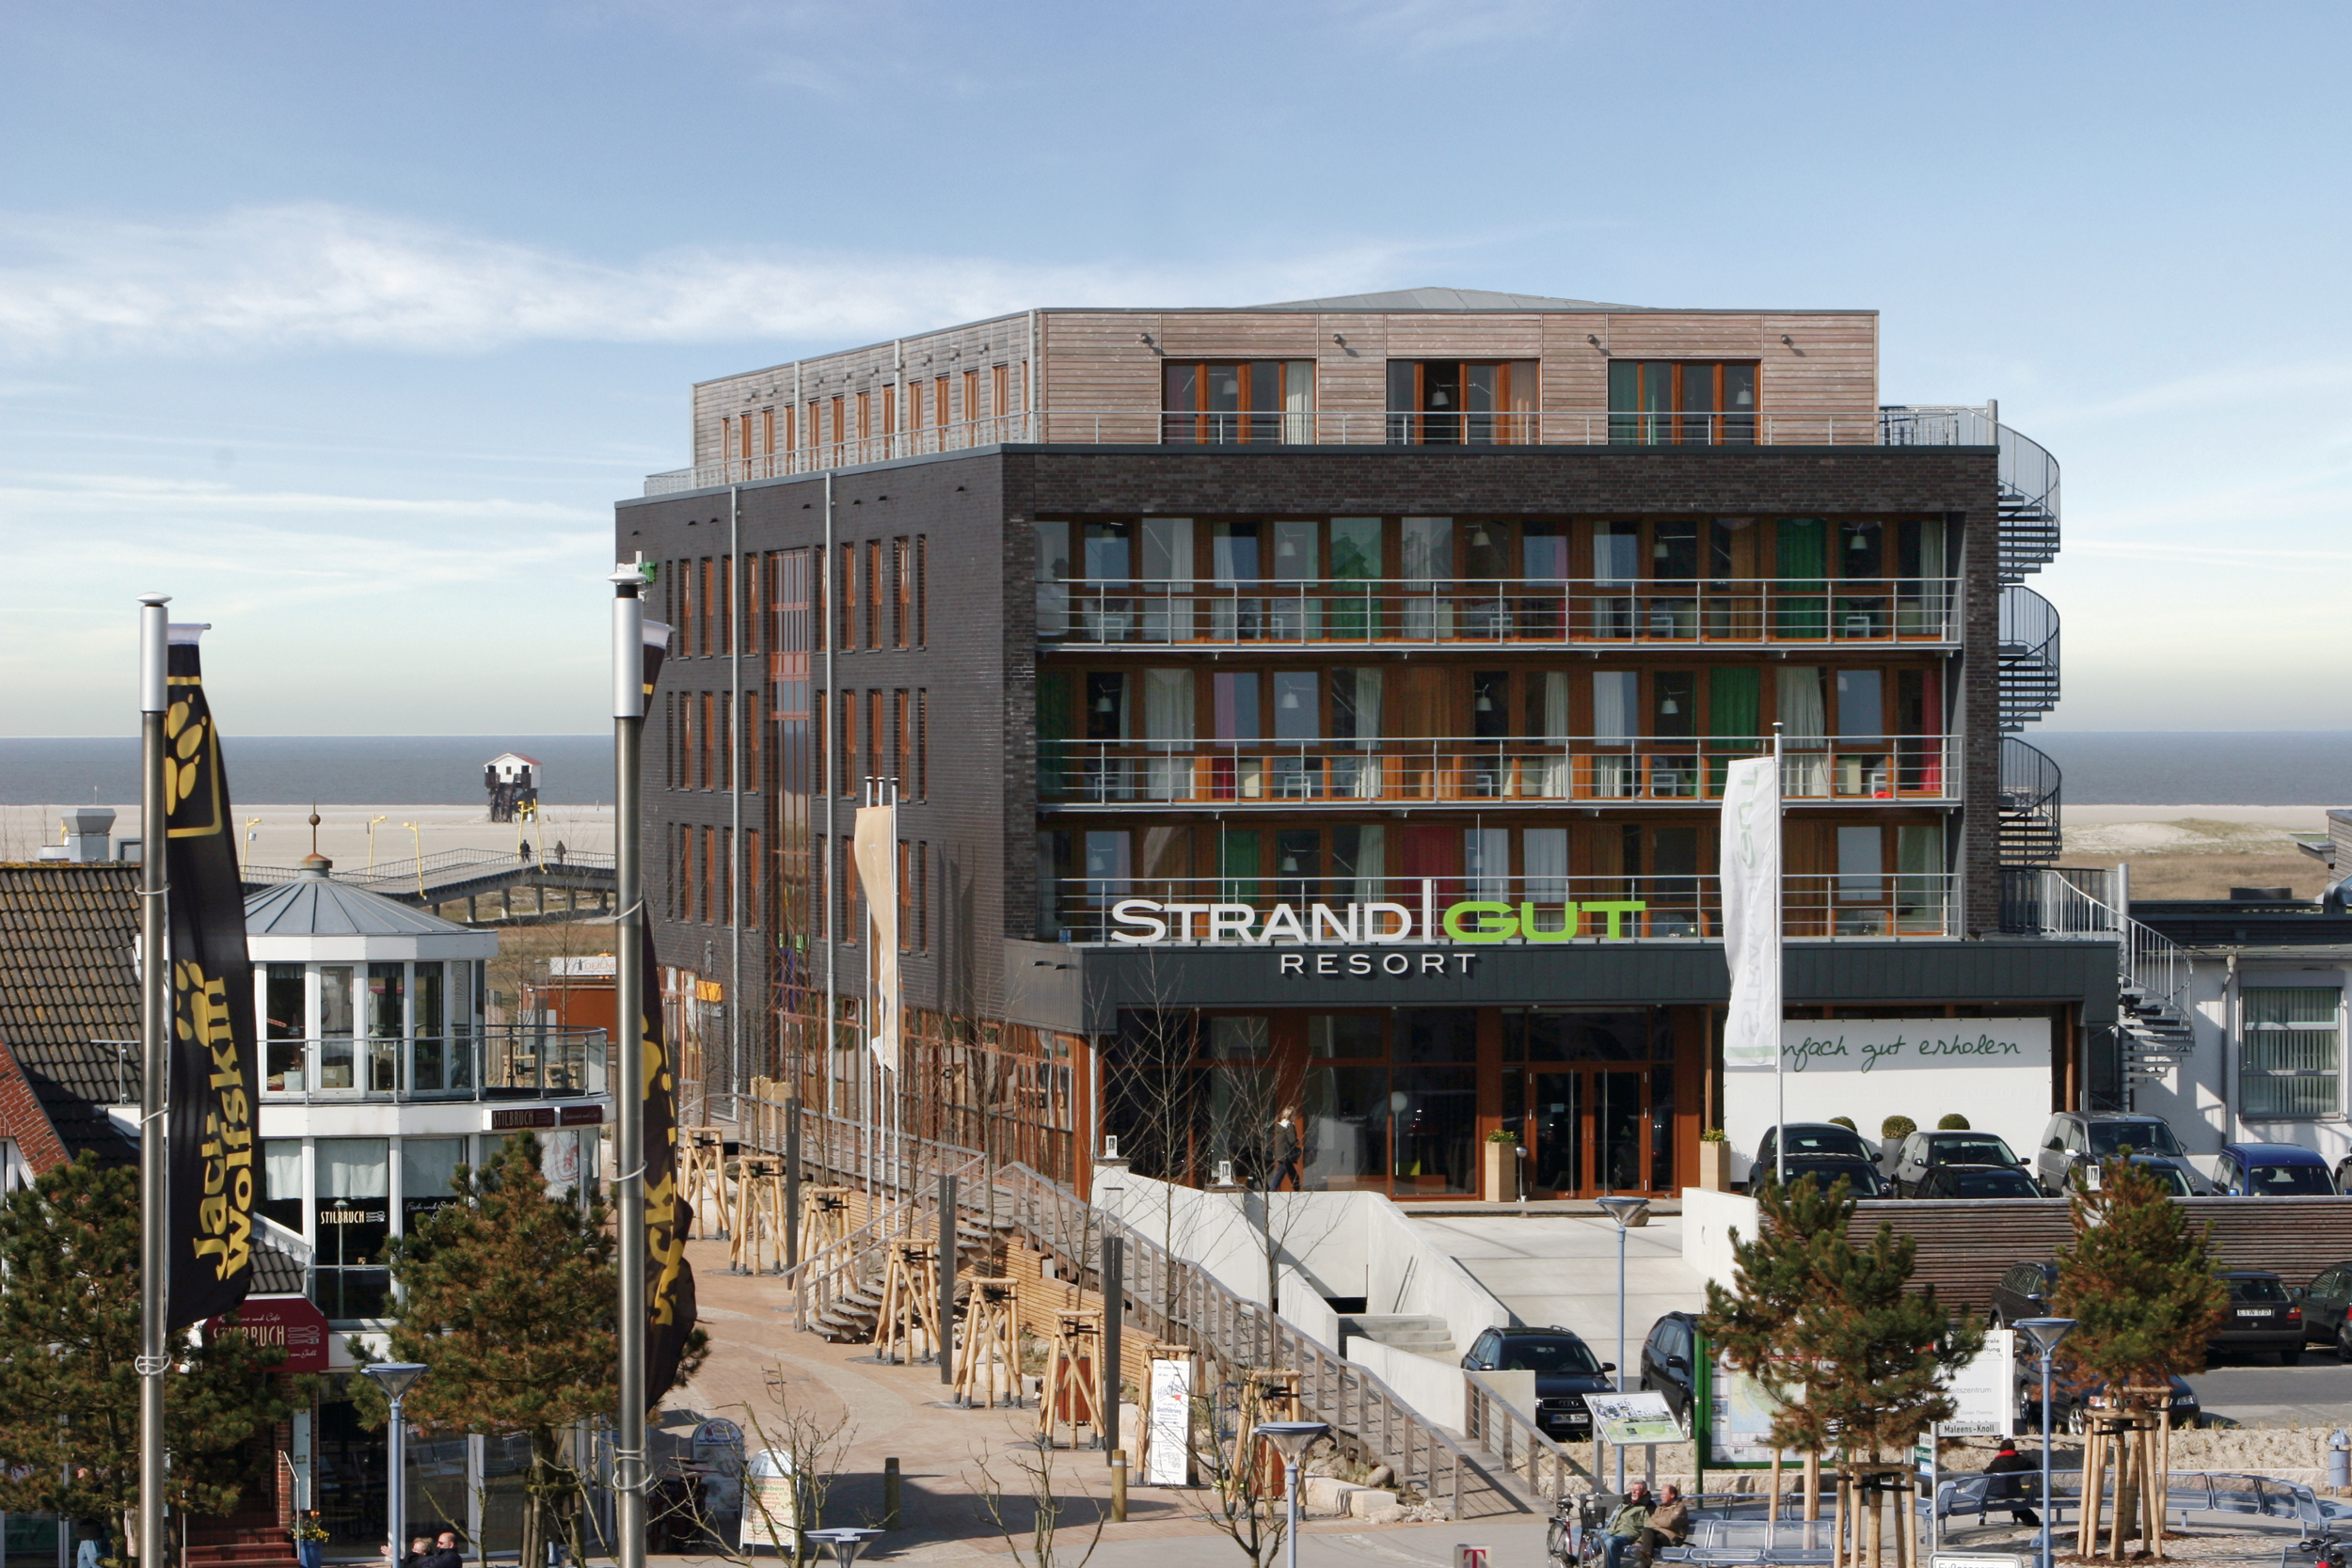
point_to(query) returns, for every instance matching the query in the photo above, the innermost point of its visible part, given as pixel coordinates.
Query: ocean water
(2157, 768)
(334, 771)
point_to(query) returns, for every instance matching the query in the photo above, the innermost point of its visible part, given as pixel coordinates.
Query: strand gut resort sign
(1337, 935)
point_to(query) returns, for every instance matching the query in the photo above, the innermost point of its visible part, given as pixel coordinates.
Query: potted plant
(1503, 1166)
(1715, 1160)
(309, 1540)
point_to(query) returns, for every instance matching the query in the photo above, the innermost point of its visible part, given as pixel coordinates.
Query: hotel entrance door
(1587, 1131)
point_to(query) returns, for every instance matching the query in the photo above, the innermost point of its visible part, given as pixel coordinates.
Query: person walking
(1625, 1526)
(1289, 1148)
(2007, 1465)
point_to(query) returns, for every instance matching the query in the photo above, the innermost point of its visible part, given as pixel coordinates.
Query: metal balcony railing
(2021, 470)
(1125, 773)
(496, 1063)
(1131, 613)
(1280, 910)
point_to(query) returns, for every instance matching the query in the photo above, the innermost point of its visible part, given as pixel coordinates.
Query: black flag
(670, 1288)
(215, 1079)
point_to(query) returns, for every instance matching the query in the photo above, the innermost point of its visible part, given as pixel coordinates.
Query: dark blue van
(2271, 1170)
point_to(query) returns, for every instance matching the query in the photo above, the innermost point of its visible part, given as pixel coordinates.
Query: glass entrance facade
(1401, 1101)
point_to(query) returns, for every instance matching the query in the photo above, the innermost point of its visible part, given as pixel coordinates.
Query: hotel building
(1326, 705)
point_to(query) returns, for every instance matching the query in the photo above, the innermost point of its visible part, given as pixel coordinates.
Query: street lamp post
(1290, 1440)
(2046, 1333)
(1630, 1213)
(395, 1378)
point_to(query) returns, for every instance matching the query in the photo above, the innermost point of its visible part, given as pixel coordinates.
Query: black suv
(2024, 1291)
(1667, 1364)
(1976, 1181)
(1922, 1153)
(1565, 1370)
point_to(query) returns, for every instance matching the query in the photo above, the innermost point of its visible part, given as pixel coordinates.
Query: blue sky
(347, 324)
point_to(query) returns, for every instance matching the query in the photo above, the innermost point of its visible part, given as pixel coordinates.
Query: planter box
(1715, 1167)
(1503, 1173)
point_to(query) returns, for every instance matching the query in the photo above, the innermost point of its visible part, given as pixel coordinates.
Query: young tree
(1038, 1512)
(509, 1298)
(69, 1353)
(1859, 1359)
(2140, 1286)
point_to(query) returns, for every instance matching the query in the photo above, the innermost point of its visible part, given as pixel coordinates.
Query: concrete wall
(1435, 1389)
(1317, 1235)
(1708, 1221)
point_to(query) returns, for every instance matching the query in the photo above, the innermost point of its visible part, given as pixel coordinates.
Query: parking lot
(2256, 1390)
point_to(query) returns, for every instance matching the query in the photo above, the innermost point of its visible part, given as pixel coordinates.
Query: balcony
(1087, 613)
(1914, 426)
(1229, 774)
(500, 1063)
(1279, 912)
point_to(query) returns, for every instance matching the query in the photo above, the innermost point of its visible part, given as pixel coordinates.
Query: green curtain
(1237, 866)
(1735, 715)
(1053, 728)
(1801, 606)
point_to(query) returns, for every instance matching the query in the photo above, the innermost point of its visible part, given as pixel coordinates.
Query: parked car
(1977, 1182)
(2070, 1397)
(2023, 1291)
(1827, 1169)
(2073, 1140)
(1820, 1148)
(1565, 1370)
(2271, 1170)
(2262, 1315)
(2326, 1301)
(1667, 1361)
(1922, 1153)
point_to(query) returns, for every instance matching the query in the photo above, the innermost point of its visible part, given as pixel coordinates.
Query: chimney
(87, 830)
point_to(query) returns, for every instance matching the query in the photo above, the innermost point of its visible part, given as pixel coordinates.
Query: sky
(346, 326)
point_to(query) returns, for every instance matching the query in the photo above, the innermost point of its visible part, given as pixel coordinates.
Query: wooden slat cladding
(1453, 336)
(1576, 369)
(1353, 374)
(1965, 1247)
(1670, 337)
(1284, 334)
(1097, 362)
(1828, 362)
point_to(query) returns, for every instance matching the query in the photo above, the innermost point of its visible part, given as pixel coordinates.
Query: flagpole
(154, 1070)
(629, 1182)
(1780, 1079)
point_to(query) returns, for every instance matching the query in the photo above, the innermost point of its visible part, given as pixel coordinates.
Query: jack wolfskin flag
(216, 1087)
(670, 1290)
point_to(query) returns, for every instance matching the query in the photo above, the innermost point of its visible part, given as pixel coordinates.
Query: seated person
(1669, 1523)
(1627, 1523)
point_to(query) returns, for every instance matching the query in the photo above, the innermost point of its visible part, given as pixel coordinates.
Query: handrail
(2029, 656)
(404, 873)
(2058, 903)
(1180, 1301)
(1474, 768)
(1497, 1426)
(838, 1268)
(2025, 468)
(1125, 611)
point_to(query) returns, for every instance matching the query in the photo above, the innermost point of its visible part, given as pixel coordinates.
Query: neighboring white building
(383, 1074)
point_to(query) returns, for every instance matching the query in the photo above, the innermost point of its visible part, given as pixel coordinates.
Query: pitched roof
(1442, 299)
(317, 906)
(69, 979)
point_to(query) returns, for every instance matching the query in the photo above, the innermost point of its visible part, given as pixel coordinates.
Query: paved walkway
(901, 1412)
(1560, 1268)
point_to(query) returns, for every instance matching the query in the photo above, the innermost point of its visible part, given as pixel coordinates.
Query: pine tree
(68, 1377)
(509, 1298)
(2138, 1282)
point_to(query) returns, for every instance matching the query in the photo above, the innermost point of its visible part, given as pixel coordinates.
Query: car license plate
(2253, 1311)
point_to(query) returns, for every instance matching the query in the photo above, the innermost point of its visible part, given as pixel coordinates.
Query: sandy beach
(280, 834)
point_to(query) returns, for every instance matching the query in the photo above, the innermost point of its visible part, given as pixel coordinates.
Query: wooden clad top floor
(1110, 360)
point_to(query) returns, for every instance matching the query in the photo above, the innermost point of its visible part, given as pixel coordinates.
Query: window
(352, 1223)
(1660, 402)
(844, 596)
(1456, 403)
(901, 591)
(1269, 402)
(873, 593)
(922, 630)
(1000, 391)
(847, 749)
(2288, 1058)
(923, 745)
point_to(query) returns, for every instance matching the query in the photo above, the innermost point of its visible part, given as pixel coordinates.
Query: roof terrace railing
(1144, 612)
(1842, 427)
(498, 1062)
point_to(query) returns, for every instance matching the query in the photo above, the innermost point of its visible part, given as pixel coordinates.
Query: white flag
(1750, 861)
(875, 849)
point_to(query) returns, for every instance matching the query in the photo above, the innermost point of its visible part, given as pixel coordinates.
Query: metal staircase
(2030, 657)
(2156, 1029)
(2030, 503)
(2029, 805)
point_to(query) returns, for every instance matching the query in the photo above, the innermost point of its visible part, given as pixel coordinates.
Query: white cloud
(311, 275)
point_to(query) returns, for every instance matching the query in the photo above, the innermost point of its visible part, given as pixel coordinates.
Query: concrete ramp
(1562, 1269)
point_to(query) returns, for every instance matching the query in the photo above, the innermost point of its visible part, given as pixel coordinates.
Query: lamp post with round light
(1290, 1440)
(395, 1378)
(1630, 1213)
(2045, 1334)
